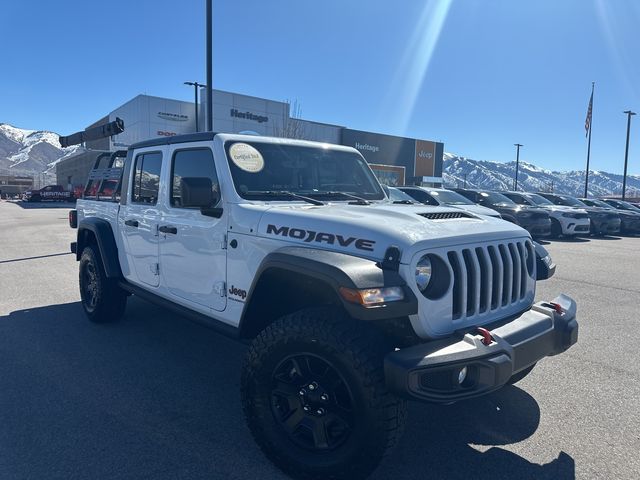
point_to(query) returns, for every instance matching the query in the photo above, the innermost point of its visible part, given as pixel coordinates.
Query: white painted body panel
(194, 263)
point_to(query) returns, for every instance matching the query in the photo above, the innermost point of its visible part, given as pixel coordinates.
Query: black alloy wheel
(89, 285)
(312, 402)
(101, 297)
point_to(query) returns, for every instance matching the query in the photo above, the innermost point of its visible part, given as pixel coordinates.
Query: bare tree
(291, 126)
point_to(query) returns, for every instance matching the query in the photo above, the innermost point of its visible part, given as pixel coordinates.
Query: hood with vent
(368, 230)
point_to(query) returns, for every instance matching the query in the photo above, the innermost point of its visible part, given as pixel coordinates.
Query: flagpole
(586, 178)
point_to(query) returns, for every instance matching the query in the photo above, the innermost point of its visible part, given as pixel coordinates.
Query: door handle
(168, 229)
(131, 223)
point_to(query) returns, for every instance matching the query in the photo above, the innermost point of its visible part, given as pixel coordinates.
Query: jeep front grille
(490, 277)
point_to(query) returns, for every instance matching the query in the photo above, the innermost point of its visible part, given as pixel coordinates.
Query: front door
(138, 220)
(192, 245)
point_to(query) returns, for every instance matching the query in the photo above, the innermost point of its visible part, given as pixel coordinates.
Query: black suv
(603, 221)
(629, 214)
(535, 220)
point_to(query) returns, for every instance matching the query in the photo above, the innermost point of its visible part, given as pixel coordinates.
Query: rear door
(138, 219)
(193, 260)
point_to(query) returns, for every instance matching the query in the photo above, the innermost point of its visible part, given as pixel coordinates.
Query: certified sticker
(246, 157)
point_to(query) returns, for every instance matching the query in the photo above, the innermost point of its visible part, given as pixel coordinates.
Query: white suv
(567, 221)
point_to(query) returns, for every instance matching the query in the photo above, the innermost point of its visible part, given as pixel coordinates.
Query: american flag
(587, 122)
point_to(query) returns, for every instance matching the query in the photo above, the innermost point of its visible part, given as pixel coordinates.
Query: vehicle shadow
(572, 239)
(157, 396)
(42, 205)
(438, 441)
(608, 237)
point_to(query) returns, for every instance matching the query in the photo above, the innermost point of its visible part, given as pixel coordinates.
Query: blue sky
(478, 75)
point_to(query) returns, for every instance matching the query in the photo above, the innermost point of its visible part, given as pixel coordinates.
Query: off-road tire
(520, 375)
(102, 300)
(556, 228)
(356, 351)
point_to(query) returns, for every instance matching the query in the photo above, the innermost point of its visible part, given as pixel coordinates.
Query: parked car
(621, 205)
(567, 221)
(630, 219)
(48, 193)
(444, 197)
(535, 220)
(603, 221)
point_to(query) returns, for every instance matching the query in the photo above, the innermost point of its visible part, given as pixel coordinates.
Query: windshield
(597, 203)
(627, 206)
(265, 171)
(538, 199)
(450, 198)
(396, 195)
(494, 198)
(572, 202)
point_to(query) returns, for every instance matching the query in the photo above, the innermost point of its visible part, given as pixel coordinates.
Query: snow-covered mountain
(499, 176)
(29, 152)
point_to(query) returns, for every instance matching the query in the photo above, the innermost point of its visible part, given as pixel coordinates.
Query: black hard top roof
(191, 137)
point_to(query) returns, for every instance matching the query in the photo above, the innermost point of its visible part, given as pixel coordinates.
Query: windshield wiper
(358, 200)
(403, 202)
(285, 193)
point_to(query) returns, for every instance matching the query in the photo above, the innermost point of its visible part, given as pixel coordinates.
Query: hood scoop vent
(445, 215)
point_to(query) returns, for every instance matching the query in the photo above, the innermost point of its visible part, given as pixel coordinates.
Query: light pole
(626, 152)
(195, 86)
(518, 145)
(209, 65)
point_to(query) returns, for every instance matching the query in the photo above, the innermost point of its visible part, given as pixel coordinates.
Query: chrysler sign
(176, 117)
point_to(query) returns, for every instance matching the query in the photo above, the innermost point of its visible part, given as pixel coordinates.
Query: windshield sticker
(246, 157)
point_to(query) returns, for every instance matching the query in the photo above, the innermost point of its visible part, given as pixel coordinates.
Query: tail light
(73, 218)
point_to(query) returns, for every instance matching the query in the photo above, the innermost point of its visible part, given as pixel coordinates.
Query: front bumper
(614, 226)
(430, 371)
(575, 226)
(536, 227)
(630, 226)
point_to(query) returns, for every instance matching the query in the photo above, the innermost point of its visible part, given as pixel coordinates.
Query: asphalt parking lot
(156, 396)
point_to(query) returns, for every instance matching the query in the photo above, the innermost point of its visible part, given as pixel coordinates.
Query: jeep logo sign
(425, 164)
(309, 236)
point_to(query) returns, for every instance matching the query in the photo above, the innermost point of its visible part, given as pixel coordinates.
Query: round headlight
(423, 273)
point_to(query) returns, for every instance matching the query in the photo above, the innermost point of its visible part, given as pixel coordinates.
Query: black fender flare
(106, 242)
(337, 270)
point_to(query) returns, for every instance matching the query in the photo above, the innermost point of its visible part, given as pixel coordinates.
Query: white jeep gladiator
(350, 304)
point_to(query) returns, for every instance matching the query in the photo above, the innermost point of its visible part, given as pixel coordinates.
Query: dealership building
(395, 160)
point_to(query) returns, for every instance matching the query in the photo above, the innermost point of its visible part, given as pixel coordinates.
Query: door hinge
(220, 288)
(223, 242)
(155, 268)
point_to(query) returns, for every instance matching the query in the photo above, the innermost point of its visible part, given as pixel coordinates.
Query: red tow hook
(557, 307)
(486, 336)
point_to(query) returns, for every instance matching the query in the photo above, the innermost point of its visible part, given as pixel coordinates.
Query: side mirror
(197, 192)
(545, 268)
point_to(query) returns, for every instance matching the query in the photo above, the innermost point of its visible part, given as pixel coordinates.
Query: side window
(146, 179)
(518, 199)
(196, 162)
